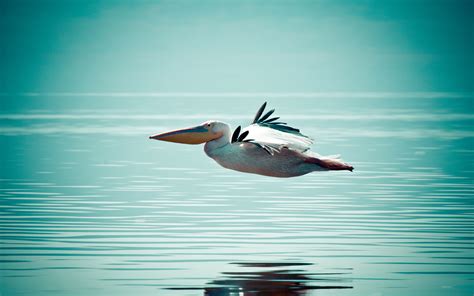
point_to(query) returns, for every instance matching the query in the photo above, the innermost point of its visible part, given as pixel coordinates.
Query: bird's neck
(211, 146)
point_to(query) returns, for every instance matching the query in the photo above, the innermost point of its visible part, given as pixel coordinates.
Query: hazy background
(236, 46)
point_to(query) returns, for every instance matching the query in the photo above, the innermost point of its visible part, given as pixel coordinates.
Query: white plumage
(277, 139)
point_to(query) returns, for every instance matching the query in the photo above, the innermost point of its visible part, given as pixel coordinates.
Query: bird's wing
(272, 135)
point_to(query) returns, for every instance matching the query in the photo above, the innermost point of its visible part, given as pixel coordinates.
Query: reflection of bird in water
(276, 282)
(266, 147)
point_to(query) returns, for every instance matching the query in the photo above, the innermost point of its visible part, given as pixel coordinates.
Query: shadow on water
(270, 279)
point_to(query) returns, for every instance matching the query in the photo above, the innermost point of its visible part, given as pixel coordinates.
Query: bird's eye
(208, 125)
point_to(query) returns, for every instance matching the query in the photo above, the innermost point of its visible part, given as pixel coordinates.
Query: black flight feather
(271, 123)
(235, 135)
(259, 112)
(266, 115)
(285, 128)
(242, 136)
(271, 119)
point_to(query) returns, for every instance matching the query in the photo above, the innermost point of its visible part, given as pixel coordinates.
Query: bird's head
(205, 132)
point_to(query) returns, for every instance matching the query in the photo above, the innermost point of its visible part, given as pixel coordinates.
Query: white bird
(266, 147)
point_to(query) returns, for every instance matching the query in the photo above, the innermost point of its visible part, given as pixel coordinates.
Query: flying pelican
(266, 147)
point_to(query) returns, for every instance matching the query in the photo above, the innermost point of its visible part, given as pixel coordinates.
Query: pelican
(266, 147)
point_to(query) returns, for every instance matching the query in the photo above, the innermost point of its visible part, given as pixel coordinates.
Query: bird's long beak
(192, 135)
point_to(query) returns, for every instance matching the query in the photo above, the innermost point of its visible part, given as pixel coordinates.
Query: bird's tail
(332, 163)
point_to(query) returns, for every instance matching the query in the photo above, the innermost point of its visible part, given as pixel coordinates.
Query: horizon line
(335, 94)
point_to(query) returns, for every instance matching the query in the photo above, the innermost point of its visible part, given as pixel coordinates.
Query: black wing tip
(265, 120)
(235, 135)
(265, 117)
(272, 119)
(242, 136)
(239, 137)
(259, 113)
(271, 122)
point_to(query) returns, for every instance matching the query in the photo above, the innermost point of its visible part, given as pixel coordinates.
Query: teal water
(90, 206)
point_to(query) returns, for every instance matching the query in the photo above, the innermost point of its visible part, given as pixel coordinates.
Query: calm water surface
(90, 206)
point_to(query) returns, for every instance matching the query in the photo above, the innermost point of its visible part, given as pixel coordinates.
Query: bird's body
(266, 147)
(248, 158)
